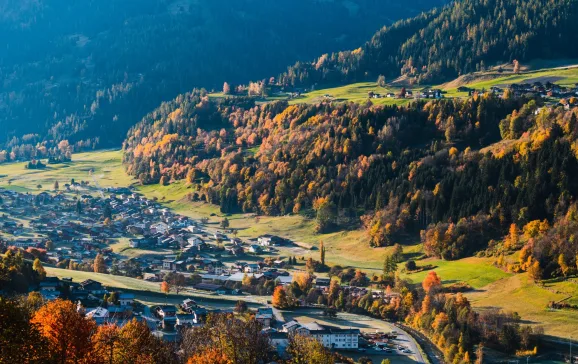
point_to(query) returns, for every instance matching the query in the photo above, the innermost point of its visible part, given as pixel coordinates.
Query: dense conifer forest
(85, 71)
(464, 37)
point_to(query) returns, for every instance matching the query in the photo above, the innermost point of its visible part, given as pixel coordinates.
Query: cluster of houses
(80, 227)
(89, 295)
(567, 95)
(426, 93)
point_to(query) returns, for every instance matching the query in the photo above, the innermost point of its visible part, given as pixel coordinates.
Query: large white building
(330, 337)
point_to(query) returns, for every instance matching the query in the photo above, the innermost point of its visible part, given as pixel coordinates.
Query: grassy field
(106, 279)
(106, 167)
(149, 292)
(477, 272)
(122, 247)
(358, 92)
(518, 293)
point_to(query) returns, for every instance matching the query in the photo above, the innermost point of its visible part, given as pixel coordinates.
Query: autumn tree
(137, 344)
(239, 341)
(67, 332)
(325, 214)
(20, 340)
(209, 356)
(516, 66)
(164, 181)
(431, 282)
(304, 280)
(99, 264)
(49, 245)
(308, 350)
(563, 265)
(106, 342)
(513, 237)
(241, 306)
(226, 89)
(397, 254)
(535, 271)
(39, 269)
(165, 287)
(176, 280)
(280, 299)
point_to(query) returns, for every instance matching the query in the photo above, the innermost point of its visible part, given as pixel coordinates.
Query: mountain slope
(463, 37)
(87, 70)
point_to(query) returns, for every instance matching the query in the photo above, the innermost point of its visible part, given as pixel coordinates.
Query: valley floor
(493, 287)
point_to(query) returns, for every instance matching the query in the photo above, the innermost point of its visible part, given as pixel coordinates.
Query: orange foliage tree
(209, 356)
(68, 333)
(431, 282)
(280, 299)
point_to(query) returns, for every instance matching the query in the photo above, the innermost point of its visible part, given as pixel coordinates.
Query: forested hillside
(467, 36)
(87, 70)
(401, 169)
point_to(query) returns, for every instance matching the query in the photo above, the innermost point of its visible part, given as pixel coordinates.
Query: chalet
(196, 242)
(160, 228)
(194, 229)
(186, 319)
(49, 286)
(290, 326)
(93, 287)
(126, 299)
(252, 268)
(264, 316)
(269, 240)
(120, 311)
(256, 249)
(173, 264)
(219, 236)
(215, 267)
(188, 305)
(235, 250)
(166, 311)
(136, 229)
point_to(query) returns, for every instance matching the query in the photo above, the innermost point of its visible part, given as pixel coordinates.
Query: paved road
(365, 324)
(405, 339)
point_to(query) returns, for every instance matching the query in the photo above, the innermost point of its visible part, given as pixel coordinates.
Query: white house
(195, 241)
(252, 268)
(265, 240)
(186, 319)
(160, 228)
(169, 264)
(126, 299)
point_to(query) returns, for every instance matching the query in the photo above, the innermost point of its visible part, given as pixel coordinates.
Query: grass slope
(518, 293)
(358, 92)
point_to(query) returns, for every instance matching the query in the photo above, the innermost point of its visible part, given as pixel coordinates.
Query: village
(73, 227)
